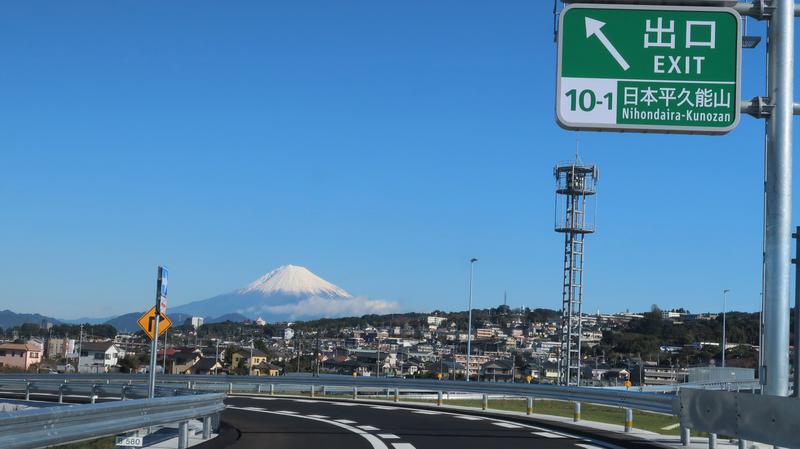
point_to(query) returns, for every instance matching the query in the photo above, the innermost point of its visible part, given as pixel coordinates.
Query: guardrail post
(485, 401)
(628, 419)
(686, 436)
(189, 385)
(312, 390)
(272, 389)
(258, 388)
(183, 434)
(206, 427)
(123, 392)
(712, 441)
(355, 392)
(230, 387)
(27, 391)
(576, 415)
(324, 391)
(530, 405)
(742, 444)
(92, 395)
(61, 394)
(396, 395)
(439, 399)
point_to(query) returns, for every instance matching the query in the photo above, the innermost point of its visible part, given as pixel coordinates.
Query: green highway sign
(669, 69)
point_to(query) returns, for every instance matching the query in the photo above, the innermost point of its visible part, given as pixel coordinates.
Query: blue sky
(379, 144)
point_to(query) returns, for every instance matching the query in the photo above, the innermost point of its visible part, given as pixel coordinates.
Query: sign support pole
(778, 197)
(160, 293)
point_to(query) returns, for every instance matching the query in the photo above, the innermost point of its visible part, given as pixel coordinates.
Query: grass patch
(653, 422)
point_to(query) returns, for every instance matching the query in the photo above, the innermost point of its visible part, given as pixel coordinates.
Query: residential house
(98, 357)
(497, 371)
(19, 355)
(207, 366)
(243, 359)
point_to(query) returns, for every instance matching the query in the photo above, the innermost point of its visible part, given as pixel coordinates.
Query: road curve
(310, 423)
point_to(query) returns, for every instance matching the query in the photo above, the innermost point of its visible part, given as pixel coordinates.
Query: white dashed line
(548, 435)
(306, 401)
(384, 407)
(368, 428)
(319, 416)
(507, 425)
(255, 409)
(344, 421)
(288, 412)
(403, 446)
(468, 417)
(388, 436)
(426, 412)
(372, 439)
(588, 446)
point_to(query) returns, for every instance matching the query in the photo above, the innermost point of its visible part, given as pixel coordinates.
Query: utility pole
(724, 324)
(469, 318)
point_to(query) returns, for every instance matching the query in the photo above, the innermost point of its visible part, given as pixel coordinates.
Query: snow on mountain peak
(294, 280)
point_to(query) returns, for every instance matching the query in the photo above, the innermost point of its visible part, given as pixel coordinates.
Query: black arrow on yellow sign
(148, 322)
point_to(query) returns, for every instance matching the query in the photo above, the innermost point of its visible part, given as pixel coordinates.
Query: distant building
(197, 321)
(260, 321)
(19, 355)
(58, 348)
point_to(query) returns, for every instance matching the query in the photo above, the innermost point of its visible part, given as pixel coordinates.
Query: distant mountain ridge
(9, 318)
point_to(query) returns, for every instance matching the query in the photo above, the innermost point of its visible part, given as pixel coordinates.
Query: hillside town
(508, 345)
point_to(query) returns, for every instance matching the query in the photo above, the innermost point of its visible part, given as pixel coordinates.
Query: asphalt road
(306, 423)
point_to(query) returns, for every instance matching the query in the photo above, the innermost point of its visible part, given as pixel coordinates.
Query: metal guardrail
(654, 402)
(35, 428)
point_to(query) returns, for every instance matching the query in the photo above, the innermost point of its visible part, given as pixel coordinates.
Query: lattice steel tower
(575, 207)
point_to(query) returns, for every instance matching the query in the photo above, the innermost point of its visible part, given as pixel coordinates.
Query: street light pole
(469, 316)
(724, 312)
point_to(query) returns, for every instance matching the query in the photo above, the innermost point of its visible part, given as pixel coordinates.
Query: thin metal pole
(153, 350)
(797, 314)
(724, 324)
(779, 199)
(469, 317)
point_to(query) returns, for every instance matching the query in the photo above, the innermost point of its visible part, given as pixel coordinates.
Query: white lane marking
(307, 401)
(344, 421)
(256, 409)
(373, 440)
(549, 435)
(507, 425)
(427, 412)
(346, 404)
(671, 426)
(468, 417)
(385, 407)
(403, 446)
(319, 416)
(388, 436)
(288, 412)
(368, 428)
(588, 446)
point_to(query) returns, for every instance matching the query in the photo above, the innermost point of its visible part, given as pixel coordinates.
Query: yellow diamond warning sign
(148, 323)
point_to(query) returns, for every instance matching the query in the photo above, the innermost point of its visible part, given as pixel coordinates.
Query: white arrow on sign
(593, 28)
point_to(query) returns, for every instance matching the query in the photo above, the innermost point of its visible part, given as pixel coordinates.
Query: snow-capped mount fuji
(293, 280)
(287, 293)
